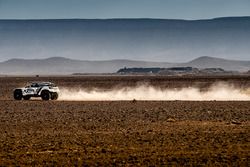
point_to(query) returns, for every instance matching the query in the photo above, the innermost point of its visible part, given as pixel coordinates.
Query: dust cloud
(219, 91)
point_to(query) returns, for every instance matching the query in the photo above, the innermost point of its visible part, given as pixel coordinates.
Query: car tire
(18, 95)
(45, 95)
(54, 96)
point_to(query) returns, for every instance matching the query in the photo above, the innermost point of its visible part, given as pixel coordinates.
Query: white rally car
(45, 90)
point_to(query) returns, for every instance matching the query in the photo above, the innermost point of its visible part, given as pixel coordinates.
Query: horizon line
(124, 18)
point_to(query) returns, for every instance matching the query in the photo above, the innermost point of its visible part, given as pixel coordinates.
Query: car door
(29, 91)
(35, 88)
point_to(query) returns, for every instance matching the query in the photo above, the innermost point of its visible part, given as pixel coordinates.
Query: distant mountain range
(60, 65)
(133, 39)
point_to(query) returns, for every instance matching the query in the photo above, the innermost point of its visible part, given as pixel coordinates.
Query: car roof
(42, 83)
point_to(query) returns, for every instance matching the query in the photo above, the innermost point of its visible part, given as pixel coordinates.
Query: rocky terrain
(123, 133)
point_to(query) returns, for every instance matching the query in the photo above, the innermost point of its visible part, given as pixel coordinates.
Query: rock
(235, 122)
(171, 120)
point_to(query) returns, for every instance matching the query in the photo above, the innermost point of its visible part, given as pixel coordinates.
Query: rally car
(45, 90)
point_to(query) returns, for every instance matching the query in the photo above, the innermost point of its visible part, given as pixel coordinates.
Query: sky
(168, 9)
(104, 9)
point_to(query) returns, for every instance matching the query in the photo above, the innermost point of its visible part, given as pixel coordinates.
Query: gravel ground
(122, 133)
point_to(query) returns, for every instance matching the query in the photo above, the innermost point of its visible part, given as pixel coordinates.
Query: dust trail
(221, 92)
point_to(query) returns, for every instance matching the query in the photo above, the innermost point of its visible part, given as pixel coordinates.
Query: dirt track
(123, 132)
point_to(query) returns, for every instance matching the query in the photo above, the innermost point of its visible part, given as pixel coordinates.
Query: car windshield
(41, 84)
(34, 85)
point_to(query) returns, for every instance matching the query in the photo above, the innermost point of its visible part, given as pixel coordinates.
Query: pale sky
(168, 9)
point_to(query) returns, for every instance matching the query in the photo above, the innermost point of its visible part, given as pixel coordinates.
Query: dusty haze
(218, 91)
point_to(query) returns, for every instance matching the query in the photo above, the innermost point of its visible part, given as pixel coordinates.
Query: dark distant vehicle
(45, 90)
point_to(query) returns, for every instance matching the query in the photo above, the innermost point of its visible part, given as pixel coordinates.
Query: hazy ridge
(134, 39)
(60, 65)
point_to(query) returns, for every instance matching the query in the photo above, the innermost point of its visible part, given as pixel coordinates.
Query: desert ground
(124, 133)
